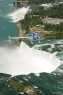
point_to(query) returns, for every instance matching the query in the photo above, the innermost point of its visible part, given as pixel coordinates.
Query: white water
(18, 14)
(49, 5)
(25, 60)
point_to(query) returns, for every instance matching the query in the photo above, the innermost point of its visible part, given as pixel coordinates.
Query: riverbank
(41, 31)
(21, 32)
(32, 22)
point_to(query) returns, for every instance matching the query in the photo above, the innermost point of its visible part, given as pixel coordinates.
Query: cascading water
(18, 14)
(25, 60)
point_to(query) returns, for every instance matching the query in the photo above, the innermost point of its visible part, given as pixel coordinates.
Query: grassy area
(21, 87)
(47, 34)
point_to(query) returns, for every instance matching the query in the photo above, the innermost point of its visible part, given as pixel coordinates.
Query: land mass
(48, 22)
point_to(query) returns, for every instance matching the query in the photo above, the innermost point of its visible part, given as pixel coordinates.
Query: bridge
(22, 2)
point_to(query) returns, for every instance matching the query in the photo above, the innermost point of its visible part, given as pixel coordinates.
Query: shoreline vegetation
(47, 22)
(33, 23)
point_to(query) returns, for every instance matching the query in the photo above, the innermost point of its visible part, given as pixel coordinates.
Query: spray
(25, 60)
(18, 14)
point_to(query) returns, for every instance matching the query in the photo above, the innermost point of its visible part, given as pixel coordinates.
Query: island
(46, 18)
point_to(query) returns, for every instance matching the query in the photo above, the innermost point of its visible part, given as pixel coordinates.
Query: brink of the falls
(25, 60)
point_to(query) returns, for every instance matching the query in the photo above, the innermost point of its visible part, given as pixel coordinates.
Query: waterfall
(25, 60)
(18, 14)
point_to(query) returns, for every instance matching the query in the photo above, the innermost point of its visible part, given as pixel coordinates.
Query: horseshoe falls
(25, 60)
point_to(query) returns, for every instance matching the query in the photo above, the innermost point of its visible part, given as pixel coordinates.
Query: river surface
(6, 27)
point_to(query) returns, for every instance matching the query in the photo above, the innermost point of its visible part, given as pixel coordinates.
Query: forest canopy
(37, 14)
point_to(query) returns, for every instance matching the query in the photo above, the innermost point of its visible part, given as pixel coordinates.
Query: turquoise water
(6, 27)
(48, 83)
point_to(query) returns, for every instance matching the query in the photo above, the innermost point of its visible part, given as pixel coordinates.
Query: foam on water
(25, 60)
(18, 14)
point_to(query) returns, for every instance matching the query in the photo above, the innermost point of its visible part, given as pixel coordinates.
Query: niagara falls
(25, 60)
(31, 47)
